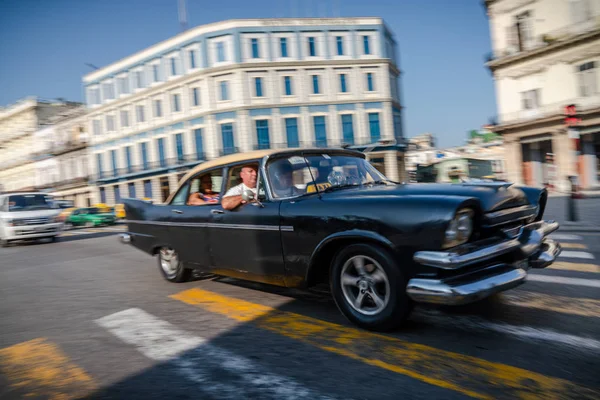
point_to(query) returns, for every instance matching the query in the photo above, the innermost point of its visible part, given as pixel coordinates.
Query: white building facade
(546, 56)
(240, 85)
(62, 160)
(18, 123)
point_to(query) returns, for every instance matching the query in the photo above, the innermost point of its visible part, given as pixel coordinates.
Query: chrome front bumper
(125, 238)
(532, 245)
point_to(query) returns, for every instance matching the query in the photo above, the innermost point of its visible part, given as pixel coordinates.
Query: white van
(28, 215)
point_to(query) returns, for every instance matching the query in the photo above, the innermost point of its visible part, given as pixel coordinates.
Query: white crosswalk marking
(526, 333)
(565, 281)
(198, 360)
(576, 254)
(565, 236)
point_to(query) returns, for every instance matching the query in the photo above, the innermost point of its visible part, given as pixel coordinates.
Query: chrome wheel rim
(365, 285)
(169, 261)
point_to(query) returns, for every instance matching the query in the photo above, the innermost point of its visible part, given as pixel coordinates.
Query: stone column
(391, 166)
(562, 159)
(277, 130)
(212, 137)
(589, 176)
(139, 189)
(514, 161)
(536, 164)
(334, 131)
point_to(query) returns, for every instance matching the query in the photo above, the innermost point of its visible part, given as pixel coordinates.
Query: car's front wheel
(171, 267)
(369, 288)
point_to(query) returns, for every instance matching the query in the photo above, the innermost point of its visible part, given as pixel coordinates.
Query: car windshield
(296, 175)
(27, 202)
(93, 211)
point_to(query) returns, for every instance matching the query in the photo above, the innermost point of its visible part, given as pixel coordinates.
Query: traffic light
(571, 117)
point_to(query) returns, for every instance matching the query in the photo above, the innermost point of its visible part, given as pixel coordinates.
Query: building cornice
(215, 27)
(506, 61)
(550, 120)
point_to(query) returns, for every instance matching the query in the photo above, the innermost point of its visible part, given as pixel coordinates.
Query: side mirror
(248, 196)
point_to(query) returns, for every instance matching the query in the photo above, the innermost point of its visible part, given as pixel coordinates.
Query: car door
(188, 224)
(75, 217)
(245, 243)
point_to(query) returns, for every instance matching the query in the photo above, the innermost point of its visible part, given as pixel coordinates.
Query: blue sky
(447, 90)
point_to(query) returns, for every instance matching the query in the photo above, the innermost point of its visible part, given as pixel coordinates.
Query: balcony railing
(149, 166)
(549, 110)
(64, 183)
(547, 39)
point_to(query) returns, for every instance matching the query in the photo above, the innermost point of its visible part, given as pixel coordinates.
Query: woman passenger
(205, 195)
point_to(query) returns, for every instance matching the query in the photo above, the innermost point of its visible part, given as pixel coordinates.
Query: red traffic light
(571, 117)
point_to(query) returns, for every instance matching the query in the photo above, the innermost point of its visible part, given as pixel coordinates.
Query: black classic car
(305, 217)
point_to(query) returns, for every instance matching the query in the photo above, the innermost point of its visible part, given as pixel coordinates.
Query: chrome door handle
(217, 211)
(178, 211)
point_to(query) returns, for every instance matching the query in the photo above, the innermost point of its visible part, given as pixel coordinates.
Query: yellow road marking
(40, 368)
(567, 266)
(567, 245)
(561, 304)
(465, 374)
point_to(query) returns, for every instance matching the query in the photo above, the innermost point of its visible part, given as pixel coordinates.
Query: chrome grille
(512, 229)
(31, 221)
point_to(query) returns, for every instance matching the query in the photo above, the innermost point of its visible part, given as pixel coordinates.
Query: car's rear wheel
(369, 288)
(3, 243)
(171, 267)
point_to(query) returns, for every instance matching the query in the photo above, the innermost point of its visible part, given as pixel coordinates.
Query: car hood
(31, 214)
(492, 196)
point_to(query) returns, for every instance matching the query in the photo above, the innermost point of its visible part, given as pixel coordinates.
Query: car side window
(181, 196)
(234, 174)
(205, 188)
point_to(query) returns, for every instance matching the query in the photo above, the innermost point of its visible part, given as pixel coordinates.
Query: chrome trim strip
(549, 254)
(506, 215)
(529, 241)
(438, 292)
(449, 260)
(284, 228)
(125, 238)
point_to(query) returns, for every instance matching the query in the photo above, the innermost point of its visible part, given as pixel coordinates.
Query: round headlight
(465, 225)
(452, 231)
(460, 228)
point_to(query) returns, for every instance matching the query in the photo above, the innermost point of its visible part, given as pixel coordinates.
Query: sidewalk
(587, 210)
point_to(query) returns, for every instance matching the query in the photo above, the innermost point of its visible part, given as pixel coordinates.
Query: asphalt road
(88, 317)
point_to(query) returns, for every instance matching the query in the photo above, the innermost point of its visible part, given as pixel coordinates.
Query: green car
(90, 217)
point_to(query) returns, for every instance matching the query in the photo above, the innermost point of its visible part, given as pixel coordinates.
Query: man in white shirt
(233, 197)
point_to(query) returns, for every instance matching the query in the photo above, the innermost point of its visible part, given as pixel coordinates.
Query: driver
(233, 197)
(283, 179)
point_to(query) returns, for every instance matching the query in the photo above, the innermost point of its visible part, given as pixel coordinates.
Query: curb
(567, 228)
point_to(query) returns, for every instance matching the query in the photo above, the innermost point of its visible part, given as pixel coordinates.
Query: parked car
(28, 216)
(89, 217)
(119, 211)
(380, 246)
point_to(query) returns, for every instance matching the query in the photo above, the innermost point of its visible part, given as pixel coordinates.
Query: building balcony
(545, 111)
(186, 160)
(56, 149)
(545, 42)
(64, 184)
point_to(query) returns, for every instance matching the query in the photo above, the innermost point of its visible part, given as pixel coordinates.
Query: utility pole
(182, 16)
